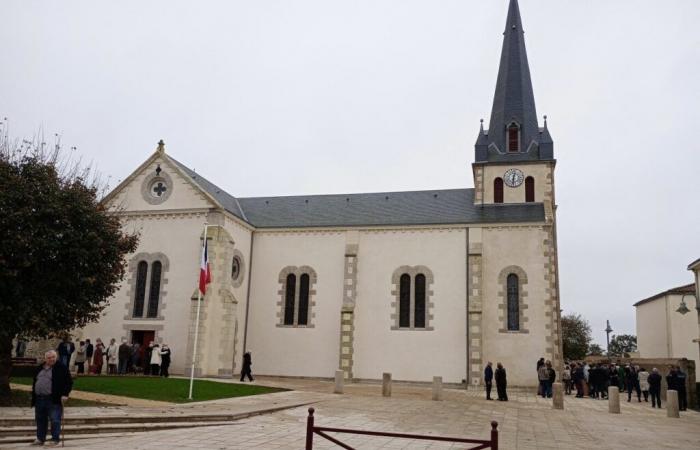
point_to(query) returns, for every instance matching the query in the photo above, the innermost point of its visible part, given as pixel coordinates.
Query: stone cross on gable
(159, 189)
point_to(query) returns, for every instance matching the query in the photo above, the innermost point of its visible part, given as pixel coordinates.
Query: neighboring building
(662, 332)
(417, 283)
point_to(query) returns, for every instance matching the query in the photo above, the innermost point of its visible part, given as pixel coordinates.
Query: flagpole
(196, 325)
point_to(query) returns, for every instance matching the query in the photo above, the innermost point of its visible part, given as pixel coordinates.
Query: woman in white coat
(155, 360)
(643, 382)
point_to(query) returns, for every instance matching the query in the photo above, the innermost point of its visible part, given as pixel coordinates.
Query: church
(417, 283)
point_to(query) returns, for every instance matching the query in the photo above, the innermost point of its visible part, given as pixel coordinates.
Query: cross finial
(481, 127)
(545, 120)
(161, 146)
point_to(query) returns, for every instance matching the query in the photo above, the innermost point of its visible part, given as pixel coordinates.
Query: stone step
(125, 419)
(72, 430)
(4, 441)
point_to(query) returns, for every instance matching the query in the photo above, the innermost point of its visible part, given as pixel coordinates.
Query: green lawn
(164, 389)
(24, 398)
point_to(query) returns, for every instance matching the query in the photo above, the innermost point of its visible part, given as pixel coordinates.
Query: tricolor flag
(204, 271)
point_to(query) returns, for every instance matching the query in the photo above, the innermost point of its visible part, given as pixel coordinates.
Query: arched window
(419, 315)
(513, 303)
(405, 301)
(303, 299)
(498, 190)
(139, 298)
(529, 189)
(154, 296)
(513, 138)
(289, 299)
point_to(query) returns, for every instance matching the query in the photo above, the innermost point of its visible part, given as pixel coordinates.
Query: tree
(576, 336)
(62, 252)
(595, 350)
(622, 345)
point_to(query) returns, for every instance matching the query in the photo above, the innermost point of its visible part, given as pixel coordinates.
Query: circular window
(236, 268)
(158, 188)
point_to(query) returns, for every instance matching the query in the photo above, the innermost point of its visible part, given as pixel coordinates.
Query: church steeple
(513, 133)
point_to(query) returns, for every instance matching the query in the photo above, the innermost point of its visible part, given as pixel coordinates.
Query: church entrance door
(143, 338)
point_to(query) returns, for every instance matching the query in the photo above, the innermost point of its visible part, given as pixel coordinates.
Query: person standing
(655, 388)
(98, 357)
(112, 357)
(540, 364)
(80, 358)
(543, 377)
(621, 378)
(155, 360)
(551, 377)
(124, 353)
(165, 357)
(21, 347)
(50, 389)
(681, 378)
(247, 364)
(89, 349)
(135, 354)
(566, 378)
(65, 351)
(488, 379)
(632, 383)
(147, 353)
(644, 383)
(501, 382)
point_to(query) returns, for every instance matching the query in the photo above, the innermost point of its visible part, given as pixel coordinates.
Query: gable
(177, 191)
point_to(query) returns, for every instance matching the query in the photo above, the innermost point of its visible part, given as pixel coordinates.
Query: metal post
(494, 435)
(608, 330)
(310, 430)
(196, 327)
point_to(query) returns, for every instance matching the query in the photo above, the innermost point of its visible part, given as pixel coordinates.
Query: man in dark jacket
(124, 354)
(247, 363)
(680, 387)
(551, 378)
(501, 382)
(65, 350)
(655, 388)
(89, 350)
(51, 387)
(488, 379)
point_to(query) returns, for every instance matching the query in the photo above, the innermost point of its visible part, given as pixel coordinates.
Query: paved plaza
(525, 422)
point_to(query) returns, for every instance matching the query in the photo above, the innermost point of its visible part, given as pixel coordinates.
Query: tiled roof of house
(685, 289)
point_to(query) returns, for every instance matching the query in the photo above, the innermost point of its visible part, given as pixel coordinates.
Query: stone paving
(525, 422)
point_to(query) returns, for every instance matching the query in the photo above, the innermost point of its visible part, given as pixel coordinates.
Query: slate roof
(513, 100)
(434, 207)
(680, 290)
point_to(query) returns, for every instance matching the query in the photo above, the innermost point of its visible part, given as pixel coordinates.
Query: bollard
(557, 396)
(614, 400)
(437, 388)
(672, 404)
(339, 376)
(386, 384)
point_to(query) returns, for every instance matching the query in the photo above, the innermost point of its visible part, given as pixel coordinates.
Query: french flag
(204, 270)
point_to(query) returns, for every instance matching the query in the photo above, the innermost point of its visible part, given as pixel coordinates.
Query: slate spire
(513, 100)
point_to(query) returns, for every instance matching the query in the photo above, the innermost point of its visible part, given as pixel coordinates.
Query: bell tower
(514, 158)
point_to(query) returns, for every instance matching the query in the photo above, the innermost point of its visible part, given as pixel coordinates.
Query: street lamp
(608, 330)
(683, 308)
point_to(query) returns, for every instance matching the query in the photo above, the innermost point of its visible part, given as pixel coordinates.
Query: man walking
(247, 363)
(488, 379)
(51, 387)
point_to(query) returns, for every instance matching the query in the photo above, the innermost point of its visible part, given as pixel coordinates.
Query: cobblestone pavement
(525, 422)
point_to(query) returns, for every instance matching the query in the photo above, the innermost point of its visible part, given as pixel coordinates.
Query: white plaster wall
(652, 329)
(296, 351)
(523, 247)
(411, 355)
(183, 196)
(178, 237)
(516, 195)
(684, 328)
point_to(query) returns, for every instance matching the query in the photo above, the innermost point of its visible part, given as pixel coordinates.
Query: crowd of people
(593, 380)
(119, 359)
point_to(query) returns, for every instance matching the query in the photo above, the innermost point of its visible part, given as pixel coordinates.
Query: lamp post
(608, 330)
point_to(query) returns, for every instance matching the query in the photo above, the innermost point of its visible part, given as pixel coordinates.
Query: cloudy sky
(306, 97)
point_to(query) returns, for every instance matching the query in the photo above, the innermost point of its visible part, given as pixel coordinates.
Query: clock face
(513, 177)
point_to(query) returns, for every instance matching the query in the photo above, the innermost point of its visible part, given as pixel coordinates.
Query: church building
(417, 283)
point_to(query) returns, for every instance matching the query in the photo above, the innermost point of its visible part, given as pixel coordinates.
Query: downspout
(247, 297)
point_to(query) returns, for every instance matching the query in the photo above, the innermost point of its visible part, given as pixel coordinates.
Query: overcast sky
(308, 97)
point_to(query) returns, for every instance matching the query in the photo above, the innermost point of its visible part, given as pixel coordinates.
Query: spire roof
(513, 100)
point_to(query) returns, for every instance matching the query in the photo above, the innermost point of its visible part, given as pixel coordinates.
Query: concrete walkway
(525, 422)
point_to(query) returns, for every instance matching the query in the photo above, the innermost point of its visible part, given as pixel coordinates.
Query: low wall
(687, 365)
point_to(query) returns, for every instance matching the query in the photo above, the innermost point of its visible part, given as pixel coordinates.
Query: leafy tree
(576, 336)
(62, 252)
(622, 345)
(595, 350)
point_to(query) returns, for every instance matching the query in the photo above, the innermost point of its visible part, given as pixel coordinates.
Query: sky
(311, 97)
